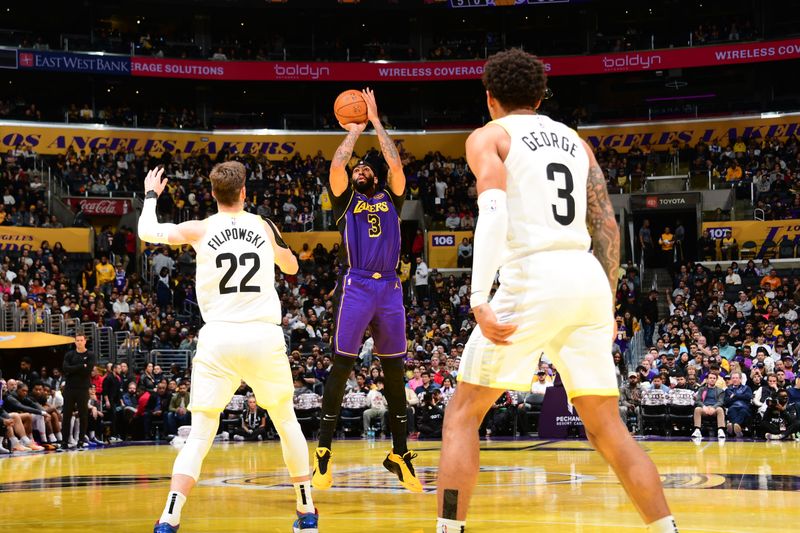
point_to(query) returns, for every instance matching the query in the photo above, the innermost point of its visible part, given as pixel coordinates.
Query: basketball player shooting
(368, 293)
(539, 187)
(236, 257)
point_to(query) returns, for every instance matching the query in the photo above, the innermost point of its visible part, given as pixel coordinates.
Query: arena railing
(9, 316)
(635, 350)
(100, 340)
(167, 358)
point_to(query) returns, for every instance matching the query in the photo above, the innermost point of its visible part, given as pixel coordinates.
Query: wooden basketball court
(525, 486)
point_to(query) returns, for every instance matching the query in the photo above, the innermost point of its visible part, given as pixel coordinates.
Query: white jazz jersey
(236, 270)
(547, 168)
(550, 286)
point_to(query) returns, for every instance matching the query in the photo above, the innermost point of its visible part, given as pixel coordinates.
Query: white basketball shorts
(229, 352)
(561, 304)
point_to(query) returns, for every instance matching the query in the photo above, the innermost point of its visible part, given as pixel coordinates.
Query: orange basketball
(350, 107)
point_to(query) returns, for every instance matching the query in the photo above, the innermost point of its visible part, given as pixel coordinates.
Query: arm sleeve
(341, 202)
(150, 230)
(278, 239)
(396, 200)
(492, 227)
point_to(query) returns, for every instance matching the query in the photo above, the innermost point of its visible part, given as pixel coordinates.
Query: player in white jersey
(539, 188)
(242, 339)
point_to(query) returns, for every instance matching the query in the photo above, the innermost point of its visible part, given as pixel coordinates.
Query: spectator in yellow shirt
(667, 242)
(105, 275)
(405, 276)
(734, 173)
(327, 208)
(739, 148)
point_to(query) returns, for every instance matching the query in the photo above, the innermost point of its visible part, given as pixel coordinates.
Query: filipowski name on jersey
(239, 234)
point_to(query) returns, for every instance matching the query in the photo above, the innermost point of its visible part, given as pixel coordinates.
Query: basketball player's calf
(633, 467)
(459, 461)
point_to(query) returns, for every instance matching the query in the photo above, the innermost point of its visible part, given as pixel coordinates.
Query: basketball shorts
(229, 352)
(561, 304)
(362, 302)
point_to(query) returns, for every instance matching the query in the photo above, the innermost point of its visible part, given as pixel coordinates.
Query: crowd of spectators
(23, 192)
(291, 191)
(731, 337)
(769, 164)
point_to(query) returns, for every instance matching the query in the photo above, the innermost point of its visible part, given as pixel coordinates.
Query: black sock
(332, 398)
(394, 386)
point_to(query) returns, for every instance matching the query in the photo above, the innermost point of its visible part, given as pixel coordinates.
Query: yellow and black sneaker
(322, 478)
(400, 465)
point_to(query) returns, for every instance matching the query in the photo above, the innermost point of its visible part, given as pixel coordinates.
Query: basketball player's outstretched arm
(396, 178)
(338, 175)
(601, 222)
(150, 230)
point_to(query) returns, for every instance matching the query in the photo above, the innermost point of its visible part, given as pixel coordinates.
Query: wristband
(150, 194)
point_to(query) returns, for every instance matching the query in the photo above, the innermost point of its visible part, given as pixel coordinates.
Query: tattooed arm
(396, 178)
(601, 222)
(338, 174)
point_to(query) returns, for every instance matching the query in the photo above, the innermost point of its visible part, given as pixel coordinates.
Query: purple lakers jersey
(370, 228)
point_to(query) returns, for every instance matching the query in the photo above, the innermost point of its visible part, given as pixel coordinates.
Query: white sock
(172, 510)
(303, 492)
(663, 525)
(25, 440)
(51, 438)
(13, 442)
(444, 525)
(59, 437)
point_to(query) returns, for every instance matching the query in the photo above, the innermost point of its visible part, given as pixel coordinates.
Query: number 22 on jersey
(233, 264)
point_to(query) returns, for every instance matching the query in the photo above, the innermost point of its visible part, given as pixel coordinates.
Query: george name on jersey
(380, 207)
(541, 139)
(236, 234)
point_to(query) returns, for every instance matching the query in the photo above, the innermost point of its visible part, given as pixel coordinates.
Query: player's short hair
(515, 78)
(227, 180)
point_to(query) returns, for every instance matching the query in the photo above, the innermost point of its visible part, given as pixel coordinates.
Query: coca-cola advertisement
(101, 206)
